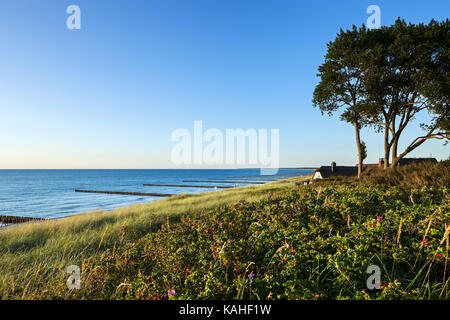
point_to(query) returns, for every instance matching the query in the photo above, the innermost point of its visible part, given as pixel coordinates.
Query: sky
(110, 94)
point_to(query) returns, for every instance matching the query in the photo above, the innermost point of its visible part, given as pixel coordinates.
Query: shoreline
(171, 198)
(29, 199)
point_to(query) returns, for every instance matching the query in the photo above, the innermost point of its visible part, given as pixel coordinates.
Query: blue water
(50, 193)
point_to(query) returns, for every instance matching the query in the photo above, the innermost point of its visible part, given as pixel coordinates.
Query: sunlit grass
(31, 254)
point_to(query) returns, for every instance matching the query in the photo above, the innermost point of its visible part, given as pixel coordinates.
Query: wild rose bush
(311, 242)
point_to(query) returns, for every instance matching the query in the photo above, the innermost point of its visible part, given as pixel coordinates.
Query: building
(405, 161)
(352, 171)
(328, 171)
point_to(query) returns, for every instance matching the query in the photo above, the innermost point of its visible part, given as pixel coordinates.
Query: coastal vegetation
(415, 174)
(32, 254)
(282, 240)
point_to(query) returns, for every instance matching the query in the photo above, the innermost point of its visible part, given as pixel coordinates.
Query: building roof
(370, 166)
(404, 161)
(348, 171)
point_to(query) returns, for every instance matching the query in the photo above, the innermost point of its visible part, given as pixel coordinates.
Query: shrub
(430, 174)
(311, 242)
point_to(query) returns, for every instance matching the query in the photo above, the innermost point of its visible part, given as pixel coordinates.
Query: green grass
(298, 242)
(33, 254)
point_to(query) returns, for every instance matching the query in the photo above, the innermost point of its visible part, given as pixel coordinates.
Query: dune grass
(399, 216)
(32, 254)
(299, 242)
(416, 174)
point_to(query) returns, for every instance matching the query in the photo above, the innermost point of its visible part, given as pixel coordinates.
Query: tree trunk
(358, 146)
(394, 152)
(386, 147)
(395, 140)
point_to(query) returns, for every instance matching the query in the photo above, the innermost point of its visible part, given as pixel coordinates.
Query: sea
(51, 194)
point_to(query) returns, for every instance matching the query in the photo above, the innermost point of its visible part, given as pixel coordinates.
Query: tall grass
(32, 253)
(429, 174)
(308, 242)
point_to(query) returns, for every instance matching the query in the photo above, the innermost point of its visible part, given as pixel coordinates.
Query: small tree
(341, 85)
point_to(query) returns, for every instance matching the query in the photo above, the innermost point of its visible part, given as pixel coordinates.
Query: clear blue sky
(109, 95)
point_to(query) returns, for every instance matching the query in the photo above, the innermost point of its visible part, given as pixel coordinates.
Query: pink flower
(379, 218)
(171, 293)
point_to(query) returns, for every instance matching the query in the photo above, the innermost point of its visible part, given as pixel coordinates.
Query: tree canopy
(384, 77)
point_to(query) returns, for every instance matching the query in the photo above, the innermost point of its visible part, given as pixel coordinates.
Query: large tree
(407, 73)
(385, 77)
(341, 85)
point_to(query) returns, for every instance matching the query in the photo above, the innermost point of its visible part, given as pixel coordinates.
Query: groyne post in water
(184, 186)
(235, 182)
(128, 193)
(15, 220)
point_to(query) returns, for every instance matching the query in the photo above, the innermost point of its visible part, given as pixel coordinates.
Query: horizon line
(282, 168)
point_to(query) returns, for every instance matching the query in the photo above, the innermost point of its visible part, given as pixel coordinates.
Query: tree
(341, 85)
(406, 73)
(384, 78)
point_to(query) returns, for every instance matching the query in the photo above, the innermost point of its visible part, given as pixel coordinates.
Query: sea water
(51, 193)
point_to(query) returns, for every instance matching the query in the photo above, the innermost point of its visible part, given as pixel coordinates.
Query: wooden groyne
(184, 186)
(128, 193)
(14, 220)
(246, 179)
(217, 181)
(300, 168)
